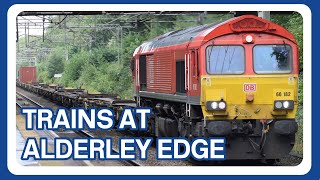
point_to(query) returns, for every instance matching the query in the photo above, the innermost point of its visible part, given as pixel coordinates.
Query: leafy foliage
(74, 67)
(42, 73)
(55, 63)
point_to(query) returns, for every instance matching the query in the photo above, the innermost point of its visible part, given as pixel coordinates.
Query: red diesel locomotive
(236, 79)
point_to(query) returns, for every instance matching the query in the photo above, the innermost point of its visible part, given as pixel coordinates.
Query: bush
(55, 63)
(42, 73)
(300, 90)
(74, 68)
(298, 146)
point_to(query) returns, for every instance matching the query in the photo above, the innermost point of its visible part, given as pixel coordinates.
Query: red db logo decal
(249, 87)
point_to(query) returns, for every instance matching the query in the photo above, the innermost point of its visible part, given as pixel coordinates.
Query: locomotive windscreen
(225, 59)
(272, 59)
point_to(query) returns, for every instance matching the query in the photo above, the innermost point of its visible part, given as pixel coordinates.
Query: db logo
(247, 87)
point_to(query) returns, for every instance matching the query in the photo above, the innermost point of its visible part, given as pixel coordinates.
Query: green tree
(74, 67)
(55, 63)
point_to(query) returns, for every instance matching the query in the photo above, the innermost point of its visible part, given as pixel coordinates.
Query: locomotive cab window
(272, 59)
(226, 59)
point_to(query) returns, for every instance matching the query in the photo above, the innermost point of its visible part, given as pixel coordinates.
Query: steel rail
(296, 155)
(28, 99)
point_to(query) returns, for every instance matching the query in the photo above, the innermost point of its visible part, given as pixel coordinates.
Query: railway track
(295, 155)
(25, 101)
(23, 97)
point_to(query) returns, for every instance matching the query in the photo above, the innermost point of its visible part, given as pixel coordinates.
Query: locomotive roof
(176, 37)
(203, 32)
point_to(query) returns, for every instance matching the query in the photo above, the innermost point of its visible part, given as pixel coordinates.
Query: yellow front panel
(230, 88)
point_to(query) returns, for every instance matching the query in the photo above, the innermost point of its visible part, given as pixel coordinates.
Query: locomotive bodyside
(236, 79)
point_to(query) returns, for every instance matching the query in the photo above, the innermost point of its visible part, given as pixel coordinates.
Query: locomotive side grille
(160, 75)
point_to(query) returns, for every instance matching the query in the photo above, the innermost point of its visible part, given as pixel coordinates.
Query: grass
(298, 147)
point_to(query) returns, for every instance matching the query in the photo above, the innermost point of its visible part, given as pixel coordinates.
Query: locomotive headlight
(214, 105)
(286, 104)
(222, 105)
(283, 104)
(249, 38)
(278, 105)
